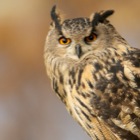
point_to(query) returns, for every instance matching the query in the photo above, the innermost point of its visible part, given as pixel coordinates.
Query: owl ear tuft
(100, 17)
(56, 18)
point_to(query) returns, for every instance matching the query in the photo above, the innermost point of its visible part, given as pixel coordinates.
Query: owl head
(74, 38)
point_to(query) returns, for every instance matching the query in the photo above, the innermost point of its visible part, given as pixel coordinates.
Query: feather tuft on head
(56, 18)
(101, 17)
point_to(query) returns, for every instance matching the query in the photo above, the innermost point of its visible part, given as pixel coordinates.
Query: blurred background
(29, 110)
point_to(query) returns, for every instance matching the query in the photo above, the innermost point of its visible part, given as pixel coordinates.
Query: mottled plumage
(96, 74)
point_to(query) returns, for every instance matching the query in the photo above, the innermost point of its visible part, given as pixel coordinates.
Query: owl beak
(78, 50)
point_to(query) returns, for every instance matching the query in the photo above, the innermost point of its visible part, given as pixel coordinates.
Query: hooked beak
(78, 50)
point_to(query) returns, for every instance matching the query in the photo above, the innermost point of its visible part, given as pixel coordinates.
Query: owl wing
(116, 97)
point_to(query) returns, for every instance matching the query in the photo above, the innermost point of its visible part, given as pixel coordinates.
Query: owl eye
(90, 38)
(64, 41)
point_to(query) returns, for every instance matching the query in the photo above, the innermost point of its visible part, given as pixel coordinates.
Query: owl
(96, 74)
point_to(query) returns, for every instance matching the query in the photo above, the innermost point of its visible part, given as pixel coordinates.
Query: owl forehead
(76, 26)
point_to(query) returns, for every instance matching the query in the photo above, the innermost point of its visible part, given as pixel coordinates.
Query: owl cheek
(70, 53)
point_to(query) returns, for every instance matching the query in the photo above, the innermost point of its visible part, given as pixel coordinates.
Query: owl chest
(79, 109)
(76, 104)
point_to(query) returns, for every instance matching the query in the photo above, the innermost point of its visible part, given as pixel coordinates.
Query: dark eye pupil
(64, 40)
(90, 37)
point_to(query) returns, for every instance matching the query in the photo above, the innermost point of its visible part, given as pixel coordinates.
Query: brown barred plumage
(96, 74)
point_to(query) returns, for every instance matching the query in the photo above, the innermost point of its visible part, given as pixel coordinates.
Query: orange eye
(64, 41)
(91, 38)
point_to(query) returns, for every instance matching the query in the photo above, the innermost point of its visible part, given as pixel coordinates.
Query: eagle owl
(96, 74)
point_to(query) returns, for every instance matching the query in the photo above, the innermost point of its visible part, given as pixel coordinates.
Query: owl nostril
(78, 50)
